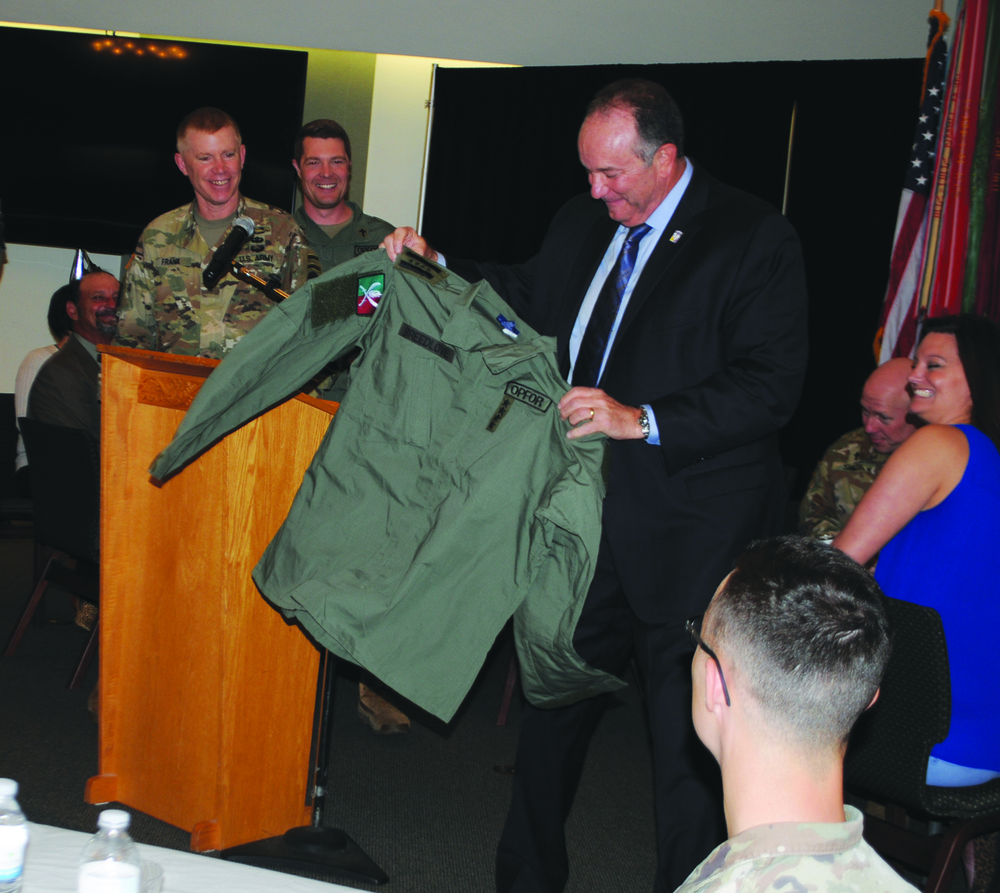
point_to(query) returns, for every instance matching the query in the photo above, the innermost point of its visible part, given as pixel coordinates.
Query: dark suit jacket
(714, 339)
(65, 390)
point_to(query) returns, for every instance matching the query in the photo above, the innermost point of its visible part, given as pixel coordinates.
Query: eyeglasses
(693, 626)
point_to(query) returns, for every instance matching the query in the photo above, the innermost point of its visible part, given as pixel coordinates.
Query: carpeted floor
(427, 806)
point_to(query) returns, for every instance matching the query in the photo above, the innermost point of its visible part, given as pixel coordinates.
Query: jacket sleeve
(282, 352)
(818, 512)
(136, 319)
(297, 253)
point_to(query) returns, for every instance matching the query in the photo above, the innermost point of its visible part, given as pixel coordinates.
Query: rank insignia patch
(370, 290)
(505, 404)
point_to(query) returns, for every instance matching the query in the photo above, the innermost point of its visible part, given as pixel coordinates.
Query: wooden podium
(207, 696)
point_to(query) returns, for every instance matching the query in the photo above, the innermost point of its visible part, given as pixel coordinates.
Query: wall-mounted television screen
(89, 124)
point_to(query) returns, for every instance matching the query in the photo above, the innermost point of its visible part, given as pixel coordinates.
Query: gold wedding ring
(591, 413)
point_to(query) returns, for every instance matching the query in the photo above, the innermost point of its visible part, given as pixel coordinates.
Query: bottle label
(13, 840)
(108, 876)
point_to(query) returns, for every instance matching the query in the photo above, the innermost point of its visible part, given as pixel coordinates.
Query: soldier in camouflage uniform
(852, 462)
(838, 482)
(337, 229)
(164, 305)
(790, 653)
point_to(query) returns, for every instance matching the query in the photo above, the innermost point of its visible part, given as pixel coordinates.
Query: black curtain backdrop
(503, 160)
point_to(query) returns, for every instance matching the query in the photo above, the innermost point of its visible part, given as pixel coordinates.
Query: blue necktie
(587, 370)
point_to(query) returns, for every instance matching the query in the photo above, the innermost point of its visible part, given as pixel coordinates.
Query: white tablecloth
(54, 853)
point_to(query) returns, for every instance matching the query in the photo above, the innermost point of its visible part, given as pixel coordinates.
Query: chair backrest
(65, 468)
(891, 743)
(8, 446)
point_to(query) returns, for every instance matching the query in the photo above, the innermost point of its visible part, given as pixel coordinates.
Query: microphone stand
(310, 848)
(313, 848)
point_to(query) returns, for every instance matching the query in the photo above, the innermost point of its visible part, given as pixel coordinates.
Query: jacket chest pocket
(397, 393)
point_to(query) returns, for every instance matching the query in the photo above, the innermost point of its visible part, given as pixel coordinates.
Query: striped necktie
(587, 371)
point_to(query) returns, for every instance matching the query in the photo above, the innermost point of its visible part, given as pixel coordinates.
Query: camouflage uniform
(841, 478)
(362, 233)
(164, 305)
(797, 857)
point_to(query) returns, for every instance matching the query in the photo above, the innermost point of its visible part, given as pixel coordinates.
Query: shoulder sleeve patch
(410, 262)
(334, 300)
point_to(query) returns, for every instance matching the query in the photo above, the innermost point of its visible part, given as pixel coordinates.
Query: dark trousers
(531, 856)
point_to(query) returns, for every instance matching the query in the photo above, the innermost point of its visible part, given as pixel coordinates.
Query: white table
(54, 853)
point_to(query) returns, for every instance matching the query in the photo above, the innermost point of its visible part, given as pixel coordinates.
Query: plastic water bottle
(110, 862)
(13, 837)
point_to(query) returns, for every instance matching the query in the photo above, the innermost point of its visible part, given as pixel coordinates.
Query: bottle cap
(113, 820)
(8, 787)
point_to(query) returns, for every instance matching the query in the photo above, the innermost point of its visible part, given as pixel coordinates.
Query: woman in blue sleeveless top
(934, 512)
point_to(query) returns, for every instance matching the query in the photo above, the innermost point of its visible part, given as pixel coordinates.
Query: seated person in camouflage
(851, 463)
(790, 653)
(336, 229)
(164, 305)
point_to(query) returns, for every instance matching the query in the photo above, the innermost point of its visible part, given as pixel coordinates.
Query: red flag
(897, 329)
(942, 290)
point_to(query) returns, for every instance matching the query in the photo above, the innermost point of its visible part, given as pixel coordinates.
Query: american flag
(899, 311)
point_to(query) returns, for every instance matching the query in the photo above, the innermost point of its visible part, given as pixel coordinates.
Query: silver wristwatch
(644, 422)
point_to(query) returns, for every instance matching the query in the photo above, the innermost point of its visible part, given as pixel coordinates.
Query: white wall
(398, 136)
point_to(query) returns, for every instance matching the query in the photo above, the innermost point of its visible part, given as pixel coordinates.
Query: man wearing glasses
(789, 654)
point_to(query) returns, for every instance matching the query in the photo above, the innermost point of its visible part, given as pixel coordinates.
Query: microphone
(242, 230)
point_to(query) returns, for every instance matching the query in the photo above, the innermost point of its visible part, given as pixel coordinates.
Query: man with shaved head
(851, 463)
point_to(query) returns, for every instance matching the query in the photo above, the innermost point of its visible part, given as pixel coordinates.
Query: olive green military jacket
(164, 304)
(444, 498)
(362, 234)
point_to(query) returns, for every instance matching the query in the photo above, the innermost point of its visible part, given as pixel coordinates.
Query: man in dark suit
(65, 391)
(686, 347)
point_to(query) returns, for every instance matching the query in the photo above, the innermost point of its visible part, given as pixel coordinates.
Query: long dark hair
(978, 340)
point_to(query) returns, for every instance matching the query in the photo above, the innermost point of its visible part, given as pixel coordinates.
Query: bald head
(885, 402)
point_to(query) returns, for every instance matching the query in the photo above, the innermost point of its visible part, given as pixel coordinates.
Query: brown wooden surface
(207, 695)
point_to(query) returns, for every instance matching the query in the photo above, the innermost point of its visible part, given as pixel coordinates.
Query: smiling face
(324, 173)
(95, 316)
(629, 187)
(937, 382)
(213, 163)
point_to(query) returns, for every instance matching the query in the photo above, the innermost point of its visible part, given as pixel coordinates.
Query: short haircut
(321, 129)
(806, 632)
(207, 120)
(978, 341)
(71, 292)
(60, 325)
(657, 118)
